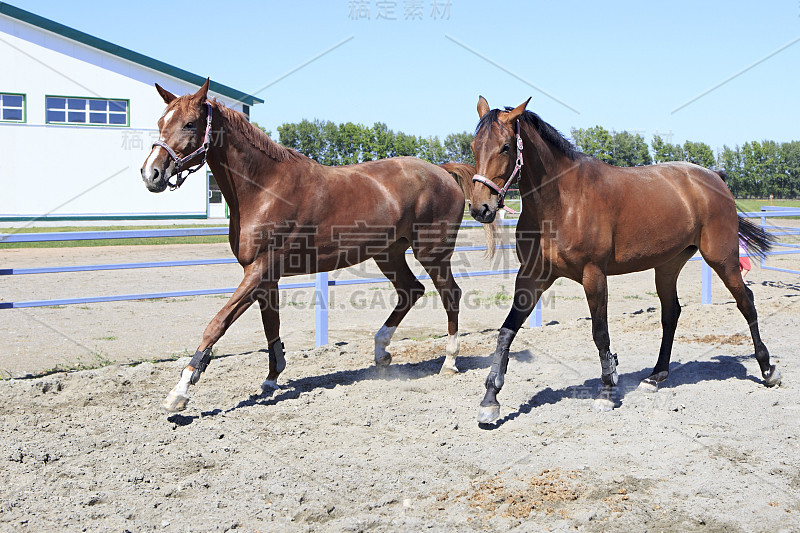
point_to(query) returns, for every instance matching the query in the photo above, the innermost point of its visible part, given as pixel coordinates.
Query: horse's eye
(505, 148)
(189, 125)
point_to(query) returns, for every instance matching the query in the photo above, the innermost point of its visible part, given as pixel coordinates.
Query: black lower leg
(496, 377)
(608, 363)
(277, 361)
(762, 354)
(669, 323)
(199, 362)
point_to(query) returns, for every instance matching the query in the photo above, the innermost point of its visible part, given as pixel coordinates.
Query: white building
(77, 119)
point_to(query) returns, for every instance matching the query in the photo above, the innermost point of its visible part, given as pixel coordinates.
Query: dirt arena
(344, 446)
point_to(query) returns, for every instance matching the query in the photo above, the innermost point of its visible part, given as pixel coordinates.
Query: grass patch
(754, 204)
(109, 242)
(108, 338)
(99, 359)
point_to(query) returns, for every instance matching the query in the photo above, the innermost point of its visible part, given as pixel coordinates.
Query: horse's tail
(463, 173)
(722, 174)
(758, 240)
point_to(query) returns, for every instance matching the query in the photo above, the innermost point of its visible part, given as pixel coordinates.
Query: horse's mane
(254, 136)
(546, 131)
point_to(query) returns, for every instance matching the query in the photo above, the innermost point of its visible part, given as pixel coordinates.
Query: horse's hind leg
(666, 286)
(728, 271)
(392, 263)
(268, 297)
(442, 276)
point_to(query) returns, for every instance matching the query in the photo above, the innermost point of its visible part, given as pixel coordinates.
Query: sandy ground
(344, 446)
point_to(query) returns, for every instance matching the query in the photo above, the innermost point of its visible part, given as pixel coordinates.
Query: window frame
(88, 111)
(24, 109)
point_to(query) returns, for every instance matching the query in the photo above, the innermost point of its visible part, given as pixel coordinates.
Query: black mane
(546, 131)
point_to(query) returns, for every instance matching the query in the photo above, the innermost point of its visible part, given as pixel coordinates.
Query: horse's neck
(237, 167)
(220, 168)
(544, 167)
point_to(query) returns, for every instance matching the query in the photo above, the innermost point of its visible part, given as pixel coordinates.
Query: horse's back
(413, 187)
(657, 211)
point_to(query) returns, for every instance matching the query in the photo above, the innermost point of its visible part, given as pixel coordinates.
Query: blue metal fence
(322, 281)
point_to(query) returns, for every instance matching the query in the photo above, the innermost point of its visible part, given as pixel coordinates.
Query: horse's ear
(483, 106)
(517, 111)
(202, 94)
(165, 94)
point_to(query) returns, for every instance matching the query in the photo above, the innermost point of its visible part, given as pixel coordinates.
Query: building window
(12, 107)
(86, 111)
(214, 194)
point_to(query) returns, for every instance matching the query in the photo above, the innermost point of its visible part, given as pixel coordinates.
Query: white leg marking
(382, 340)
(453, 345)
(178, 397)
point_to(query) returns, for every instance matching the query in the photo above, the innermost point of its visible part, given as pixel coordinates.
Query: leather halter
(179, 162)
(511, 180)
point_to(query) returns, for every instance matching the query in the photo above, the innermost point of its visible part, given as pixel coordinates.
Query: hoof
(386, 360)
(603, 405)
(448, 370)
(269, 385)
(648, 385)
(174, 402)
(773, 377)
(488, 414)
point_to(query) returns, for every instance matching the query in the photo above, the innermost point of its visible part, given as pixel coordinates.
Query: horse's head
(497, 154)
(183, 133)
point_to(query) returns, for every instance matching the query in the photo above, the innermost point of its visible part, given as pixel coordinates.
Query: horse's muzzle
(154, 179)
(483, 213)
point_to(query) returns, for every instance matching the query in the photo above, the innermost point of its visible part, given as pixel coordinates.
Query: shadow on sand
(294, 388)
(721, 368)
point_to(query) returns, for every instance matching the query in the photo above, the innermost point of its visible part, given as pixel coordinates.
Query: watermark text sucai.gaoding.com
(390, 10)
(382, 297)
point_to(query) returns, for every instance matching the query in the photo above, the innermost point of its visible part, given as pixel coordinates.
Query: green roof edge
(124, 53)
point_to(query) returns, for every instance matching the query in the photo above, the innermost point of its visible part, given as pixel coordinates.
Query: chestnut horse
(584, 220)
(289, 215)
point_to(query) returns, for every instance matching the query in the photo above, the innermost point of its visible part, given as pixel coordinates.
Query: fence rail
(322, 281)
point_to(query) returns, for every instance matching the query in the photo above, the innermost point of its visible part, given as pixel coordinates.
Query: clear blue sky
(624, 65)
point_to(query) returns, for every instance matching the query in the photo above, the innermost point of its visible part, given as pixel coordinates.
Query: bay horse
(585, 220)
(289, 215)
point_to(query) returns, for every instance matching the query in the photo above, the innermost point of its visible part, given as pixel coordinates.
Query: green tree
(664, 151)
(405, 144)
(431, 149)
(595, 141)
(381, 141)
(730, 160)
(790, 154)
(629, 150)
(699, 153)
(457, 148)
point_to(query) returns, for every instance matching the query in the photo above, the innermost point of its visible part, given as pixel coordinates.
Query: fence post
(536, 315)
(763, 226)
(321, 309)
(706, 283)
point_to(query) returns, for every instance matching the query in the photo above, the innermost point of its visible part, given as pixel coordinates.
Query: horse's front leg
(242, 298)
(596, 288)
(527, 291)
